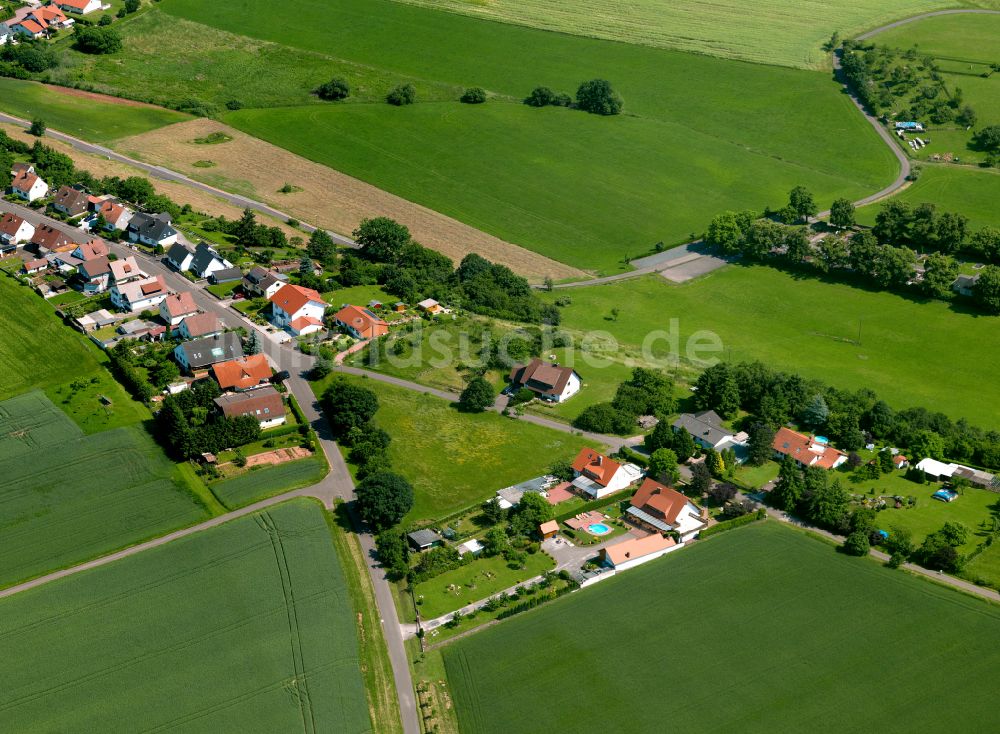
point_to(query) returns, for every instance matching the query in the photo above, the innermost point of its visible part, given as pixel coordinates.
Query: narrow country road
(957, 11)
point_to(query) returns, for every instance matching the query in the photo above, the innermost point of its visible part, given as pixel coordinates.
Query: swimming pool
(598, 528)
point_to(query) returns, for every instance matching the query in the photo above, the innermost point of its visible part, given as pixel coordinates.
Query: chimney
(628, 554)
(600, 460)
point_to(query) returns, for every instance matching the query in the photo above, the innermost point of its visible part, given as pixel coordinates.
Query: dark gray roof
(204, 352)
(226, 274)
(178, 252)
(152, 226)
(257, 274)
(204, 254)
(706, 426)
(423, 538)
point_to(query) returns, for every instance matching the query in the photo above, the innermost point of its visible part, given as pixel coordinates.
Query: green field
(67, 497)
(262, 483)
(455, 459)
(768, 630)
(973, 192)
(89, 119)
(699, 136)
(910, 352)
(246, 627)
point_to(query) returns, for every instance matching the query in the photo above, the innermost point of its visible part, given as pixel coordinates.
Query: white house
(180, 257)
(79, 7)
(599, 476)
(140, 294)
(203, 353)
(14, 230)
(207, 260)
(177, 307)
(262, 282)
(152, 229)
(547, 381)
(116, 216)
(627, 554)
(299, 310)
(126, 269)
(199, 325)
(28, 186)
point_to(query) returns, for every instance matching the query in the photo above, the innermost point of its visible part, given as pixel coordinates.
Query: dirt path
(957, 11)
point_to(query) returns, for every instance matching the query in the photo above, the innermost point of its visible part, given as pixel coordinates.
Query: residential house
(142, 329)
(79, 7)
(900, 462)
(661, 509)
(243, 374)
(429, 305)
(262, 283)
(116, 215)
(91, 250)
(151, 229)
(177, 307)
(71, 200)
(199, 325)
(14, 231)
(630, 553)
(95, 273)
(126, 269)
(965, 284)
(361, 323)
(180, 257)
(47, 238)
(546, 380)
(207, 261)
(203, 353)
(599, 476)
(225, 275)
(299, 310)
(139, 294)
(511, 496)
(806, 450)
(422, 540)
(64, 260)
(265, 405)
(35, 266)
(35, 22)
(28, 186)
(705, 428)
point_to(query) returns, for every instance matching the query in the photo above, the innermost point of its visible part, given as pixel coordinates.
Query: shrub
(98, 40)
(598, 97)
(856, 544)
(333, 90)
(402, 94)
(474, 95)
(234, 104)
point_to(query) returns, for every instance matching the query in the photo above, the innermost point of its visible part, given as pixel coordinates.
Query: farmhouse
(95, 274)
(29, 186)
(265, 405)
(630, 553)
(263, 283)
(151, 229)
(70, 200)
(14, 230)
(202, 353)
(47, 238)
(661, 509)
(599, 476)
(180, 257)
(546, 380)
(139, 294)
(80, 7)
(207, 260)
(242, 374)
(199, 325)
(361, 323)
(299, 310)
(806, 450)
(422, 540)
(177, 307)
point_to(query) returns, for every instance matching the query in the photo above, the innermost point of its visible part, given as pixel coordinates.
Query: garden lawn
(91, 119)
(985, 568)
(98, 402)
(247, 626)
(912, 353)
(757, 476)
(455, 459)
(259, 484)
(224, 290)
(815, 631)
(973, 192)
(481, 578)
(66, 497)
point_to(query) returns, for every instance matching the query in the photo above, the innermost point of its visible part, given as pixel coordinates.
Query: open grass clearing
(153, 641)
(811, 327)
(455, 459)
(258, 484)
(66, 497)
(97, 120)
(814, 630)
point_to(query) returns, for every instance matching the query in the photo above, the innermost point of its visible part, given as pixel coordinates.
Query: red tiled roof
(180, 304)
(93, 249)
(48, 236)
(31, 26)
(34, 264)
(242, 373)
(78, 4)
(364, 322)
(804, 450)
(290, 298)
(596, 466)
(541, 377)
(10, 223)
(664, 501)
(201, 324)
(638, 548)
(23, 181)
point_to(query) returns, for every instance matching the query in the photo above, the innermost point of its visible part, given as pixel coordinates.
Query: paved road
(165, 174)
(904, 21)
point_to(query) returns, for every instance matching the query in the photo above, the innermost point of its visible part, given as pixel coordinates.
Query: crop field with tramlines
(244, 627)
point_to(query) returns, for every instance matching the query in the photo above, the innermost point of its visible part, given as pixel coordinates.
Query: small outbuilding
(424, 539)
(548, 529)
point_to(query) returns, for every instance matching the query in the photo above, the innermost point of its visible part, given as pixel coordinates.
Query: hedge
(611, 499)
(734, 523)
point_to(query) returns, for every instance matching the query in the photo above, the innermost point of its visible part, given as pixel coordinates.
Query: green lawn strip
(123, 646)
(376, 669)
(435, 704)
(757, 476)
(480, 579)
(808, 326)
(187, 476)
(97, 402)
(777, 582)
(455, 459)
(89, 119)
(984, 569)
(972, 192)
(258, 484)
(223, 290)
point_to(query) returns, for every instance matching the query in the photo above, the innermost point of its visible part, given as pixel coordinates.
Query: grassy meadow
(911, 353)
(798, 633)
(66, 497)
(455, 459)
(266, 482)
(247, 626)
(98, 121)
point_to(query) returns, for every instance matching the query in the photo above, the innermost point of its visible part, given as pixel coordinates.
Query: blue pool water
(598, 528)
(822, 439)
